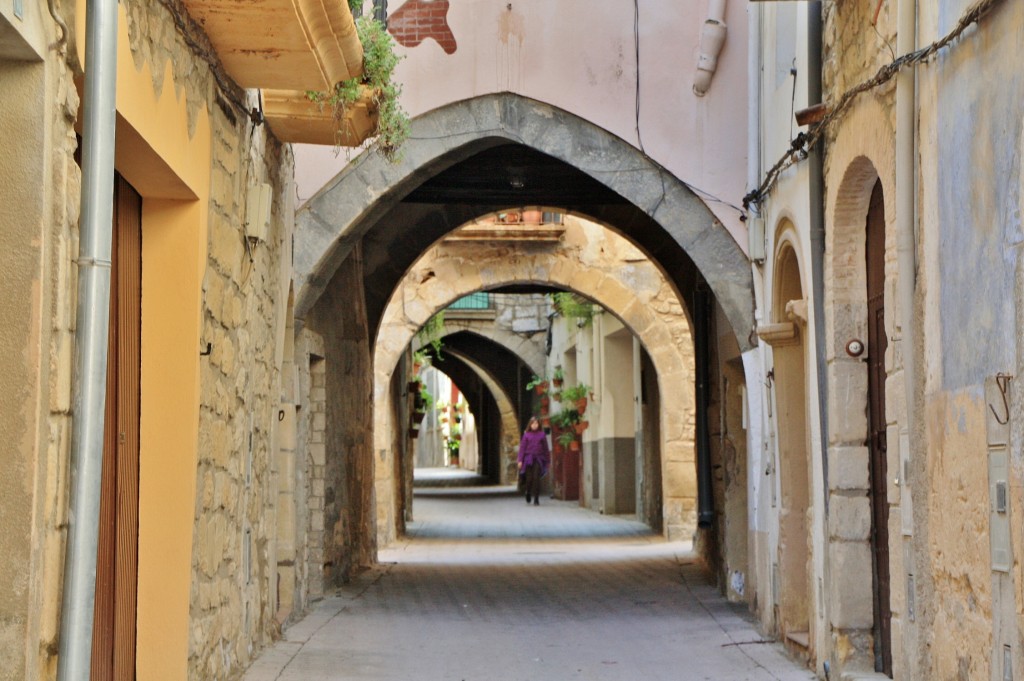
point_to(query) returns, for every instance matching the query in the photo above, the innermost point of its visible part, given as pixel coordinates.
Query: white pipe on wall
(712, 38)
(906, 218)
(93, 321)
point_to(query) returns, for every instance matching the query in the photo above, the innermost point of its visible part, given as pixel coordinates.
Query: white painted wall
(581, 57)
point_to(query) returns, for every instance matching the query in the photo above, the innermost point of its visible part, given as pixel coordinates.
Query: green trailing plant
(426, 399)
(574, 306)
(420, 358)
(430, 333)
(379, 63)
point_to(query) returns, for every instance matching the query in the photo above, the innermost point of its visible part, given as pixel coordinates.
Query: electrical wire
(804, 142)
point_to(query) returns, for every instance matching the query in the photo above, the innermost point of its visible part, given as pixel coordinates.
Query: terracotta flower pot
(545, 422)
(541, 388)
(574, 446)
(580, 427)
(545, 401)
(581, 405)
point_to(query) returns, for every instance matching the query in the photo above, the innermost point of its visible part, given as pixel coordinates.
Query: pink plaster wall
(580, 55)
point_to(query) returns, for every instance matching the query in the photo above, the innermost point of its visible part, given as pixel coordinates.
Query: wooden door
(877, 343)
(113, 643)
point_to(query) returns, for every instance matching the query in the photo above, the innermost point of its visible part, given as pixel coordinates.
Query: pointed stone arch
(660, 213)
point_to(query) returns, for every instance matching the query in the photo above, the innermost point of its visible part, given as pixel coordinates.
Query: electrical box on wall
(257, 212)
(755, 238)
(999, 517)
(997, 391)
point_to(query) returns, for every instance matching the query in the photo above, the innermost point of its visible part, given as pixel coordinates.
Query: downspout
(712, 38)
(701, 342)
(816, 195)
(906, 248)
(92, 323)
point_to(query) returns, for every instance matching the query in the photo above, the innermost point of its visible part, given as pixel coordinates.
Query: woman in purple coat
(534, 458)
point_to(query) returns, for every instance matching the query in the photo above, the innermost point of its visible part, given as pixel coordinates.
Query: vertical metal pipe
(702, 342)
(92, 323)
(817, 237)
(906, 217)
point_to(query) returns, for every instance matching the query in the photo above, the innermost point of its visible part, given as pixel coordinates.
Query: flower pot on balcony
(294, 118)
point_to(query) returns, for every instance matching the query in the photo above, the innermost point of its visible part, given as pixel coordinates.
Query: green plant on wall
(430, 332)
(566, 438)
(576, 392)
(426, 398)
(379, 62)
(574, 306)
(537, 381)
(565, 419)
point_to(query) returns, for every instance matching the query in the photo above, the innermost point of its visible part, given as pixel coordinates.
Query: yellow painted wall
(171, 169)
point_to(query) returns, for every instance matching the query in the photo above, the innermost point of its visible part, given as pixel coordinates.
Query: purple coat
(534, 447)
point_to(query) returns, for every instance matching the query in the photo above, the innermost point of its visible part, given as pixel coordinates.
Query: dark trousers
(533, 476)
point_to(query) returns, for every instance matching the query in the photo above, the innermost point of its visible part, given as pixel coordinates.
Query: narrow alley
(485, 587)
(300, 292)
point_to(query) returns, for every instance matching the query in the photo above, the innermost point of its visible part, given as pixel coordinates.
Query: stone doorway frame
(849, 523)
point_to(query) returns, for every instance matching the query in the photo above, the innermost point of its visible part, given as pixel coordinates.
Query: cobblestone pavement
(486, 588)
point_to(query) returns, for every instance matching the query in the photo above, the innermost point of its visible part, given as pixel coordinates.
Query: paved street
(488, 588)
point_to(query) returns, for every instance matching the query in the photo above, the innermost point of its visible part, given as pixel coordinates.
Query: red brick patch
(417, 20)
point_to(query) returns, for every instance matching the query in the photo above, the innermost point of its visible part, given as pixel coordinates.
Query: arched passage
(462, 161)
(642, 299)
(503, 150)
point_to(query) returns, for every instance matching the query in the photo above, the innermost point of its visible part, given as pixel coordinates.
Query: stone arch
(864, 165)
(509, 420)
(643, 300)
(790, 365)
(527, 351)
(665, 218)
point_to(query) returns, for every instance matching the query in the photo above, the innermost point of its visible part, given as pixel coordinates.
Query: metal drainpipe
(817, 240)
(906, 248)
(702, 342)
(92, 322)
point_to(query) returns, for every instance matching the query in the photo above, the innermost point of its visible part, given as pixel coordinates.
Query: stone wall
(233, 587)
(39, 192)
(339, 317)
(522, 314)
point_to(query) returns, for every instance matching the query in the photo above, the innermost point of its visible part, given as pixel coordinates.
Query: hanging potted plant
(568, 441)
(538, 384)
(453, 452)
(419, 360)
(375, 85)
(558, 377)
(580, 426)
(578, 395)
